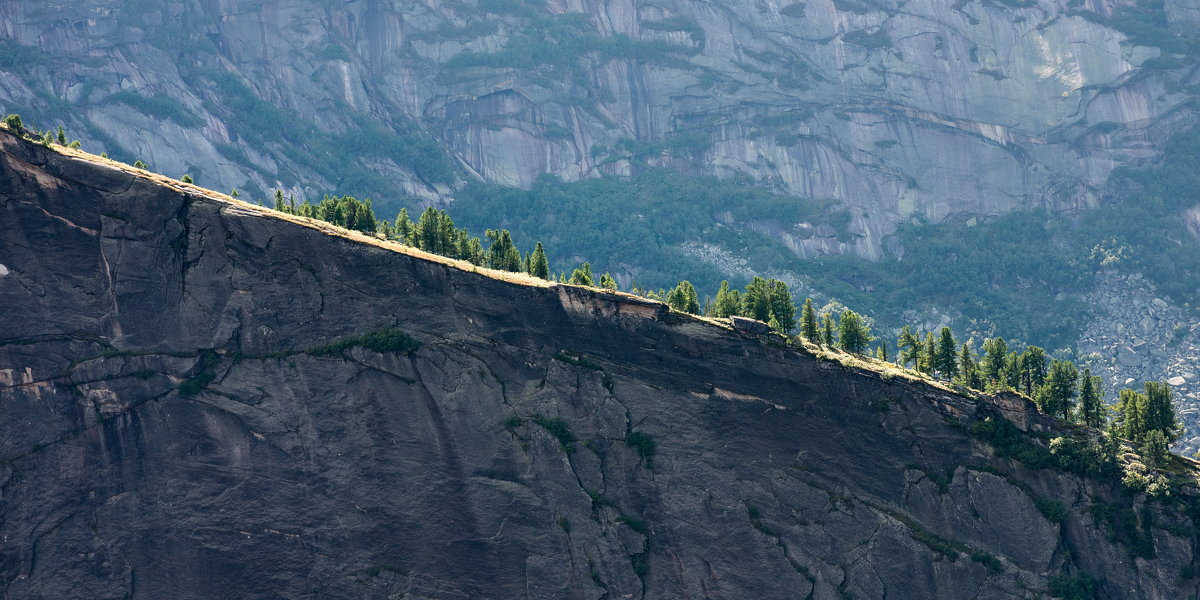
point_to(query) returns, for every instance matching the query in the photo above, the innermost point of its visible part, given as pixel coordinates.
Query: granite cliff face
(933, 108)
(176, 424)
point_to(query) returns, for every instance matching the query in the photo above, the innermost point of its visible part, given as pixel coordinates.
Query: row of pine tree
(1057, 386)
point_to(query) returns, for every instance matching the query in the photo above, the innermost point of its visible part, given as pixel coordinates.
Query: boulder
(749, 325)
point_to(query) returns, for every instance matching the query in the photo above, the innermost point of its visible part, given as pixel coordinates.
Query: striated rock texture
(928, 108)
(165, 434)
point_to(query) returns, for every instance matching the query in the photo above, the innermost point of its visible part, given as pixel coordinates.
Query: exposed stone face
(926, 107)
(165, 435)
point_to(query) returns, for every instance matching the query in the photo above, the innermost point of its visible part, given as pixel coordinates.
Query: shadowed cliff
(189, 410)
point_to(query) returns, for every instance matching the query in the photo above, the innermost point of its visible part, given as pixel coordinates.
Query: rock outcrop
(194, 407)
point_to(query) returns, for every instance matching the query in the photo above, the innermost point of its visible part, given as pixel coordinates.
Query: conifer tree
(582, 275)
(62, 136)
(1033, 369)
(995, 353)
(927, 360)
(607, 281)
(538, 265)
(186, 178)
(783, 308)
(827, 329)
(808, 322)
(728, 302)
(1130, 415)
(234, 193)
(139, 165)
(1156, 449)
(757, 302)
(475, 253)
(1056, 395)
(853, 333)
(910, 347)
(428, 227)
(404, 227)
(944, 360)
(1012, 371)
(1091, 405)
(503, 254)
(279, 205)
(1160, 411)
(684, 299)
(968, 369)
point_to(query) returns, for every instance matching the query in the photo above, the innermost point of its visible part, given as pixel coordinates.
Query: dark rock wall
(162, 434)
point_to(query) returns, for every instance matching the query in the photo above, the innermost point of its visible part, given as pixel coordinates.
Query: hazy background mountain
(1002, 166)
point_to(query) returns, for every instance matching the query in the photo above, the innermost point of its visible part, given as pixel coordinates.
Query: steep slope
(192, 408)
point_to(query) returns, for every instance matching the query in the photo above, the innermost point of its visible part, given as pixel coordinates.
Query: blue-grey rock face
(173, 424)
(926, 107)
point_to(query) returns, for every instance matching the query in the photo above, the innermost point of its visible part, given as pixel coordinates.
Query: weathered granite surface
(163, 434)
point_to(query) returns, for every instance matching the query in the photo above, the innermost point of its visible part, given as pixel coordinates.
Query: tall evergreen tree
(1160, 411)
(783, 308)
(279, 205)
(1056, 395)
(728, 302)
(404, 227)
(853, 333)
(756, 304)
(1091, 405)
(1130, 415)
(62, 136)
(944, 360)
(827, 329)
(926, 361)
(503, 254)
(1012, 371)
(968, 370)
(539, 266)
(1033, 369)
(607, 281)
(883, 350)
(426, 235)
(995, 353)
(582, 275)
(910, 347)
(808, 322)
(683, 298)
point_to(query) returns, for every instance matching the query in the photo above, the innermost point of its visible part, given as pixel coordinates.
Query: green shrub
(644, 444)
(14, 124)
(1080, 586)
(1052, 509)
(558, 428)
(382, 341)
(1007, 440)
